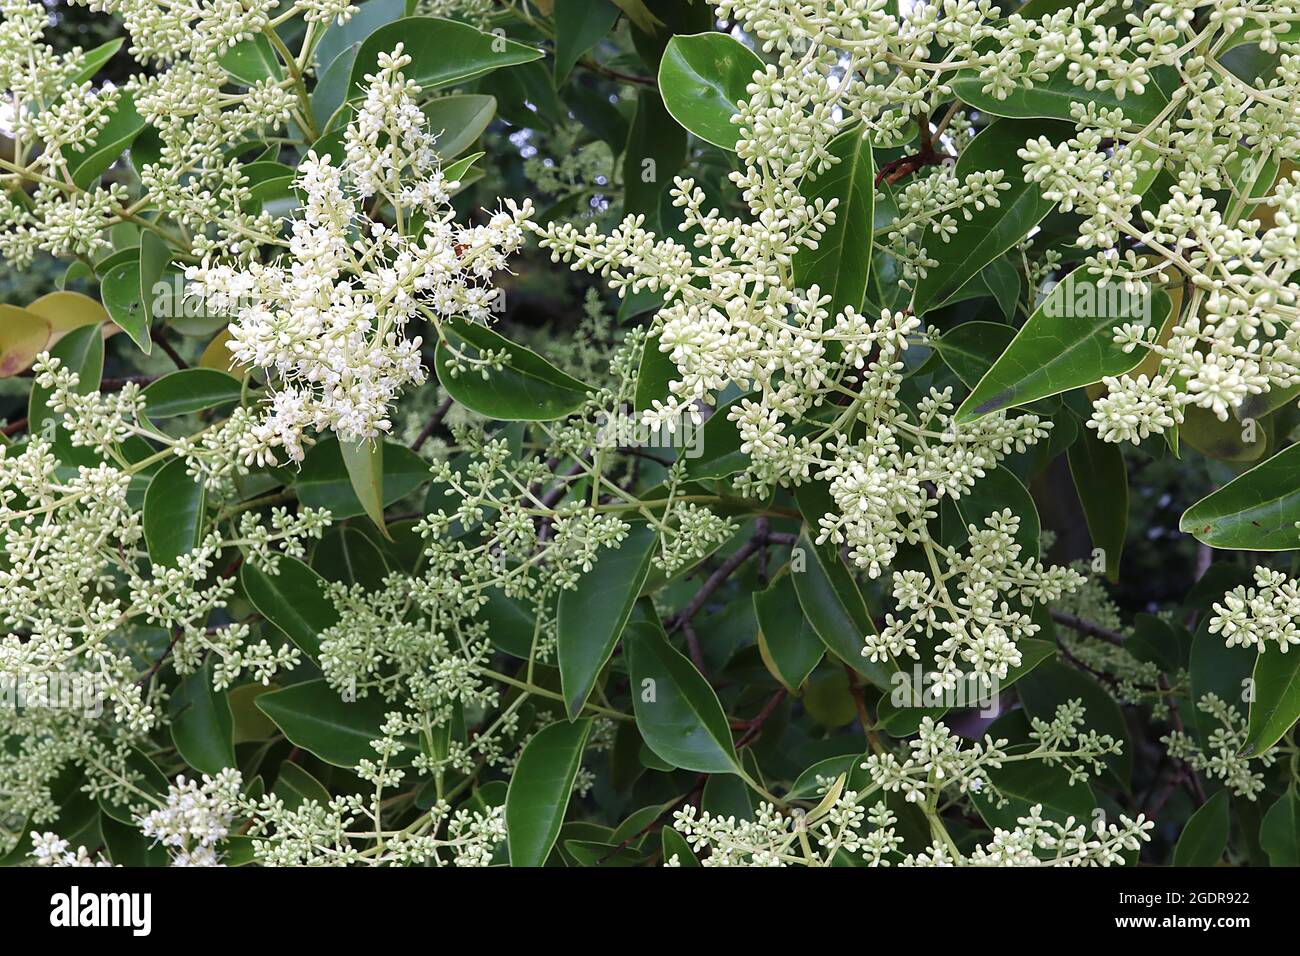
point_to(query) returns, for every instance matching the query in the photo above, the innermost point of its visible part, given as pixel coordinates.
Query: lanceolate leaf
(173, 513)
(189, 390)
(314, 717)
(1101, 480)
(995, 229)
(592, 616)
(443, 52)
(1068, 342)
(703, 80)
(790, 646)
(540, 788)
(579, 26)
(1053, 97)
(120, 290)
(364, 462)
(841, 263)
(293, 600)
(1276, 706)
(677, 711)
(202, 726)
(1256, 511)
(1279, 834)
(326, 482)
(1205, 836)
(525, 388)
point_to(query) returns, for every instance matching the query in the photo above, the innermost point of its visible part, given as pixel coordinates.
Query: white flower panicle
(328, 318)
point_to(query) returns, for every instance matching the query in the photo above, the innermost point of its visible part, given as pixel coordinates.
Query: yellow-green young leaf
(1256, 511)
(1067, 343)
(1279, 834)
(703, 79)
(173, 513)
(539, 790)
(789, 646)
(364, 462)
(66, 311)
(202, 725)
(676, 710)
(525, 388)
(1101, 480)
(841, 263)
(592, 616)
(443, 52)
(1276, 705)
(314, 717)
(1205, 836)
(23, 335)
(293, 600)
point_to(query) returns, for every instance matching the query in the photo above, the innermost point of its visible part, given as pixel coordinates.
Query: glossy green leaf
(971, 348)
(324, 480)
(1053, 97)
(525, 388)
(703, 79)
(189, 390)
(120, 292)
(364, 463)
(110, 142)
(1256, 511)
(675, 845)
(593, 615)
(1276, 705)
(202, 725)
(993, 230)
(443, 53)
(314, 717)
(1067, 343)
(173, 513)
(1279, 834)
(540, 788)
(676, 710)
(655, 152)
(92, 61)
(1205, 836)
(252, 61)
(790, 646)
(841, 263)
(579, 26)
(458, 121)
(997, 491)
(296, 786)
(294, 600)
(1101, 480)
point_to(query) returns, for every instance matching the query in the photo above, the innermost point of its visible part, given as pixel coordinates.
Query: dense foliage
(619, 432)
